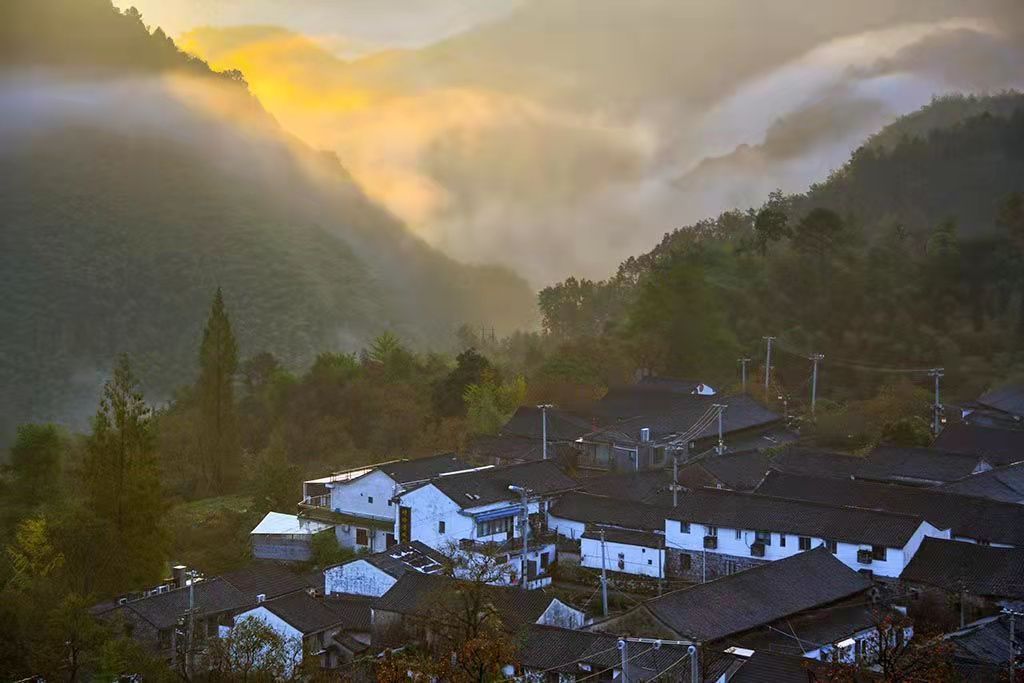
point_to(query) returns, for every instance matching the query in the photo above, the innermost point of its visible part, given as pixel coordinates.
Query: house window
(805, 543)
(731, 567)
(440, 527)
(389, 540)
(622, 561)
(739, 534)
(369, 500)
(782, 540)
(544, 561)
(831, 545)
(685, 561)
(711, 531)
(764, 537)
(502, 525)
(650, 562)
(878, 553)
(684, 527)
(362, 536)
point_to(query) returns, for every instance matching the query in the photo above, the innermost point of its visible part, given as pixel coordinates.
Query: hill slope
(136, 181)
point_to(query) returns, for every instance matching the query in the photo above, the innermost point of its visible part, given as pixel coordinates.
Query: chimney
(260, 598)
(178, 572)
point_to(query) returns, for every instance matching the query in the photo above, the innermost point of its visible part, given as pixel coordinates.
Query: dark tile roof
(958, 565)
(916, 465)
(509, 449)
(741, 471)
(772, 667)
(1008, 398)
(811, 630)
(562, 425)
(407, 471)
(983, 643)
(591, 509)
(309, 614)
(748, 599)
(1002, 483)
(816, 462)
(643, 539)
(967, 516)
(755, 512)
(212, 596)
(648, 486)
(272, 579)
(998, 446)
(631, 408)
(422, 595)
(482, 487)
(405, 557)
(562, 651)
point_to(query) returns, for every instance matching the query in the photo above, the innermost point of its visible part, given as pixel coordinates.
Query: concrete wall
(348, 535)
(569, 528)
(635, 559)
(367, 496)
(357, 577)
(287, 548)
(429, 506)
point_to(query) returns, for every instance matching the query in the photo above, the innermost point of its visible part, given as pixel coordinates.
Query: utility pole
(604, 579)
(937, 373)
(815, 359)
(544, 428)
(523, 527)
(720, 448)
(694, 663)
(768, 366)
(1013, 614)
(675, 470)
(743, 373)
(623, 649)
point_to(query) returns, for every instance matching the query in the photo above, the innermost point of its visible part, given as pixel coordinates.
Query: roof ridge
(754, 494)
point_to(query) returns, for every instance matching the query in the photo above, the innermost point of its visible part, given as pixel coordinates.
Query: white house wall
(567, 528)
(358, 577)
(292, 636)
(636, 559)
(562, 615)
(367, 496)
(729, 544)
(429, 507)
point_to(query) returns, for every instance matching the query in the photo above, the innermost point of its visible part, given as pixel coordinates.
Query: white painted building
(375, 574)
(715, 532)
(482, 510)
(624, 551)
(281, 536)
(360, 502)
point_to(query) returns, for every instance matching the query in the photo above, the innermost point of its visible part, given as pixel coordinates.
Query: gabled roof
(983, 643)
(978, 569)
(667, 412)
(485, 486)
(998, 446)
(1002, 483)
(425, 595)
(813, 629)
(404, 557)
(407, 471)
(510, 448)
(741, 471)
(917, 465)
(563, 651)
(748, 599)
(642, 539)
(562, 425)
(1008, 398)
(647, 486)
(731, 509)
(764, 666)
(211, 596)
(308, 614)
(272, 579)
(591, 509)
(966, 516)
(816, 462)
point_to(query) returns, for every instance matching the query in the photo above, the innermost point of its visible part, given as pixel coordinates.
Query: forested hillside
(910, 256)
(135, 181)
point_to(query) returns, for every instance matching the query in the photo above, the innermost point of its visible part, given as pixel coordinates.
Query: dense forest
(129, 194)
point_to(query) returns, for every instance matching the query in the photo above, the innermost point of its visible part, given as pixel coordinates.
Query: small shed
(281, 536)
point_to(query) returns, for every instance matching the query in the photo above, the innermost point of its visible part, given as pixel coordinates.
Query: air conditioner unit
(864, 556)
(757, 550)
(711, 542)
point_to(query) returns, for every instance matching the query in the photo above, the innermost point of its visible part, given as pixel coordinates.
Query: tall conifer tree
(219, 442)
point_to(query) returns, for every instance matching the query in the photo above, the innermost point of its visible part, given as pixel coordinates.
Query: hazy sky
(561, 136)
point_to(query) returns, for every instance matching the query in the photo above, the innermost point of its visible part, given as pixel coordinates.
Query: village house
(359, 503)
(981, 650)
(983, 575)
(419, 604)
(330, 629)
(481, 513)
(1002, 407)
(280, 536)
(622, 536)
(722, 613)
(375, 574)
(998, 446)
(713, 532)
(1004, 484)
(919, 466)
(968, 518)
